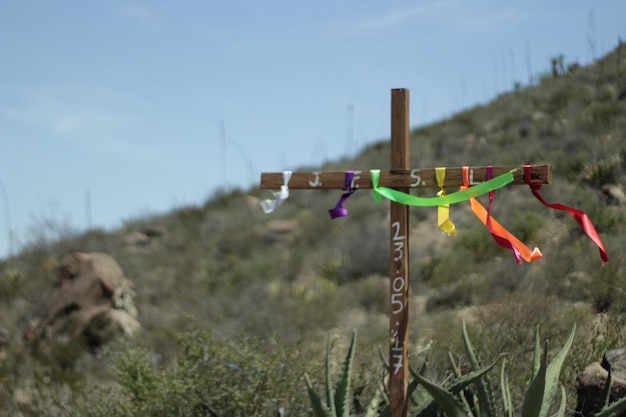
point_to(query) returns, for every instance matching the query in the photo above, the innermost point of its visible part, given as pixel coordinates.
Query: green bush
(210, 377)
(11, 281)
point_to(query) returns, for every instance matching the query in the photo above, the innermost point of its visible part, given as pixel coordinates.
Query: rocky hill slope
(296, 276)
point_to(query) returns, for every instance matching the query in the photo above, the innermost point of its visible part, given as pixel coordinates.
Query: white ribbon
(270, 205)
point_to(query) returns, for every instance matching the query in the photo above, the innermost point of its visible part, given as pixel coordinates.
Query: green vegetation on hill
(235, 304)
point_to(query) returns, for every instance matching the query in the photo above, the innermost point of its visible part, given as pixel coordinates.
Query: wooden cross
(402, 178)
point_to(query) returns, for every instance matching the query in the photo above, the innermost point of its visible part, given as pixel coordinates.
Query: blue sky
(138, 107)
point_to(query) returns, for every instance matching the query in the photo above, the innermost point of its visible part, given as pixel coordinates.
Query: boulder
(615, 360)
(279, 230)
(143, 241)
(154, 231)
(136, 239)
(615, 193)
(91, 303)
(590, 383)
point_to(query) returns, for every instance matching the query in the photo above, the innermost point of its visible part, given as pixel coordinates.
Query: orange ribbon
(502, 236)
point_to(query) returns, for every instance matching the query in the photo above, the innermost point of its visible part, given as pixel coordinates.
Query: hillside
(283, 282)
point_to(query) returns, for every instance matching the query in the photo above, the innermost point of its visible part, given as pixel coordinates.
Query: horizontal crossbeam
(415, 178)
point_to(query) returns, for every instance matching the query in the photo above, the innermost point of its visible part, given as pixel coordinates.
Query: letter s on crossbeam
(417, 178)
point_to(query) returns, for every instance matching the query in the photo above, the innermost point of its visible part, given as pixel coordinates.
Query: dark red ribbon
(500, 240)
(580, 216)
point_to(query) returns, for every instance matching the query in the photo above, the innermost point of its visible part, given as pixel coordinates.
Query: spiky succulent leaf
(613, 410)
(342, 392)
(425, 364)
(429, 405)
(412, 391)
(383, 359)
(554, 371)
(467, 399)
(536, 391)
(507, 404)
(418, 397)
(460, 383)
(483, 386)
(330, 400)
(427, 409)
(562, 407)
(449, 404)
(543, 386)
(316, 402)
(455, 367)
(606, 391)
(425, 405)
(536, 355)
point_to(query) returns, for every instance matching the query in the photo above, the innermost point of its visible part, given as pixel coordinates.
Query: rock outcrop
(591, 382)
(91, 304)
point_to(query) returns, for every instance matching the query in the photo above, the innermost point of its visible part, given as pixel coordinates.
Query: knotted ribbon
(502, 236)
(270, 205)
(443, 211)
(453, 198)
(339, 210)
(580, 216)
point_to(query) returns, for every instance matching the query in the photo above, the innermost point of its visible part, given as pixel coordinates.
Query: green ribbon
(453, 198)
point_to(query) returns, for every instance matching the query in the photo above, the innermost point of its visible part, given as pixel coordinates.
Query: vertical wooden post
(399, 254)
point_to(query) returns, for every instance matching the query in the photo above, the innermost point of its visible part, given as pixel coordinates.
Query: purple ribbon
(339, 211)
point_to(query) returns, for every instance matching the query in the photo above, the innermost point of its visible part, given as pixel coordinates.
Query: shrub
(210, 377)
(11, 281)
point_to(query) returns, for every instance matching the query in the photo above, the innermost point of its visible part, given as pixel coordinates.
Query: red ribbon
(500, 240)
(580, 216)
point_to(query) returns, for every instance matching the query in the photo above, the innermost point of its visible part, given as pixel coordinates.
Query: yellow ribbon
(443, 211)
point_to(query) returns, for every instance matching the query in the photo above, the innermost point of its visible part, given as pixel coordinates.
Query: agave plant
(338, 400)
(543, 386)
(479, 402)
(464, 395)
(454, 396)
(431, 398)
